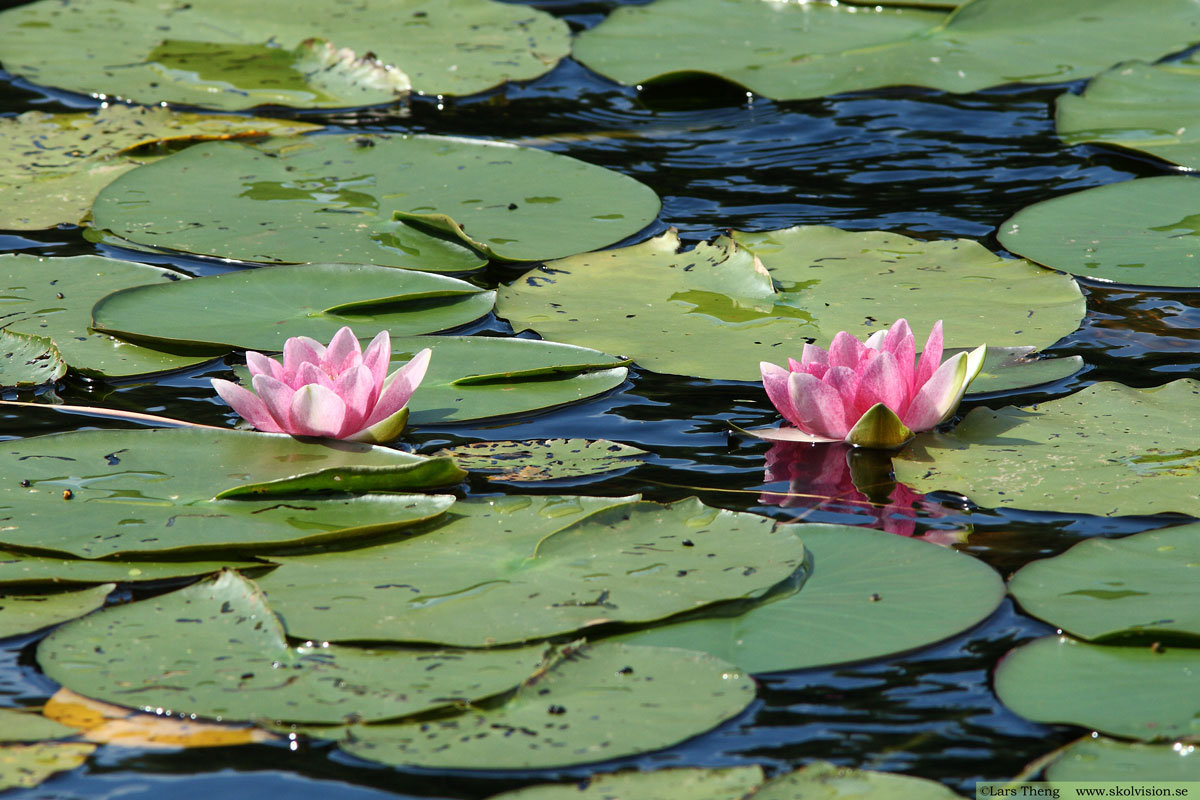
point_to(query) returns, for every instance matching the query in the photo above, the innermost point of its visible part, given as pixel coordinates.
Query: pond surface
(912, 161)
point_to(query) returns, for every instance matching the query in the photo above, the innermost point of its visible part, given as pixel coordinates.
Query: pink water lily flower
(337, 391)
(871, 394)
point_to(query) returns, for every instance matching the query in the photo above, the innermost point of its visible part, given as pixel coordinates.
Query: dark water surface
(913, 161)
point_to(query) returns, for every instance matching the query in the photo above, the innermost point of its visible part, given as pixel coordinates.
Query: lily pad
(105, 493)
(790, 51)
(1008, 368)
(53, 298)
(53, 165)
(1152, 109)
(351, 199)
(821, 780)
(21, 569)
(28, 613)
(1140, 232)
(29, 360)
(714, 312)
(1104, 759)
(685, 783)
(868, 594)
(544, 460)
(596, 703)
(25, 765)
(1108, 450)
(225, 54)
(215, 649)
(26, 726)
(261, 308)
(1140, 587)
(1132, 692)
(514, 569)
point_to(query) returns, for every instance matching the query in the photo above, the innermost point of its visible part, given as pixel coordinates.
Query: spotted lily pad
(261, 308)
(595, 703)
(1137, 232)
(820, 780)
(868, 594)
(28, 613)
(103, 493)
(27, 360)
(790, 51)
(685, 783)
(225, 54)
(1008, 368)
(53, 298)
(543, 460)
(1142, 587)
(53, 165)
(714, 312)
(1108, 450)
(26, 726)
(514, 569)
(1132, 692)
(215, 649)
(351, 199)
(22, 569)
(1104, 759)
(25, 765)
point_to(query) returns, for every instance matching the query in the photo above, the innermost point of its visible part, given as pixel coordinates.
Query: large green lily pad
(215, 649)
(53, 298)
(22, 569)
(1008, 368)
(1132, 692)
(1140, 587)
(1141, 232)
(262, 308)
(1108, 450)
(27, 726)
(514, 569)
(104, 493)
(820, 780)
(790, 51)
(868, 594)
(25, 765)
(545, 459)
(685, 783)
(1104, 759)
(352, 199)
(225, 54)
(53, 165)
(597, 702)
(27, 613)
(1152, 109)
(712, 312)
(27, 360)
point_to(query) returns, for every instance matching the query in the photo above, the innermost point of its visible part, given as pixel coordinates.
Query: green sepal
(879, 428)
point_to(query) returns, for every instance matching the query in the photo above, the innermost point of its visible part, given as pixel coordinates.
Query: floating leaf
(350, 199)
(544, 460)
(27, 726)
(53, 298)
(598, 702)
(225, 54)
(515, 569)
(53, 165)
(20, 569)
(868, 594)
(1137, 232)
(712, 312)
(1133, 692)
(103, 493)
(790, 51)
(1008, 368)
(1142, 586)
(820, 780)
(108, 724)
(1104, 759)
(1108, 450)
(27, 360)
(216, 650)
(25, 765)
(261, 308)
(1152, 109)
(28, 613)
(685, 783)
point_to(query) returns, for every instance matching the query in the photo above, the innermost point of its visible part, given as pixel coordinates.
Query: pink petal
(277, 397)
(357, 389)
(247, 404)
(845, 382)
(787, 433)
(931, 356)
(819, 408)
(882, 382)
(343, 352)
(846, 351)
(901, 344)
(377, 356)
(400, 387)
(311, 373)
(299, 350)
(775, 381)
(938, 398)
(875, 341)
(317, 411)
(813, 360)
(261, 365)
